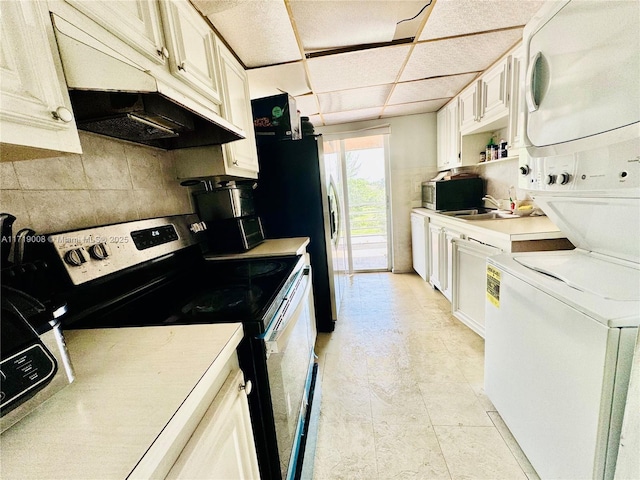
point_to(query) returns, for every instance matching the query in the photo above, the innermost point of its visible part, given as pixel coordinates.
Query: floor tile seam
(446, 463)
(513, 454)
(499, 434)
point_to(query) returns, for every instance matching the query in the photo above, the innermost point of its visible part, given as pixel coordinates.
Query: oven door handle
(277, 337)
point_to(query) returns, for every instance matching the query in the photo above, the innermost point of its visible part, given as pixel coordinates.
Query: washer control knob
(98, 251)
(551, 179)
(525, 170)
(74, 257)
(564, 178)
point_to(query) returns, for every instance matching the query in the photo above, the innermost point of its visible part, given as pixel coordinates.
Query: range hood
(113, 96)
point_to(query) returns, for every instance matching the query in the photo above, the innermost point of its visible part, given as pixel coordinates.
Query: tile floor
(402, 392)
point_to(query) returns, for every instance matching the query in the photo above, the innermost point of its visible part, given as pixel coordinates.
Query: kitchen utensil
(22, 237)
(6, 231)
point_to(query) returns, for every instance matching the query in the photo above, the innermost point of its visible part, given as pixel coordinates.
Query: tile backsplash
(111, 181)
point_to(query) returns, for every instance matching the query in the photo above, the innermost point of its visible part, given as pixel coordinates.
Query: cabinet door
(241, 156)
(468, 106)
(469, 282)
(442, 139)
(453, 135)
(495, 92)
(516, 102)
(192, 47)
(435, 256)
(35, 110)
(419, 251)
(447, 267)
(222, 445)
(135, 22)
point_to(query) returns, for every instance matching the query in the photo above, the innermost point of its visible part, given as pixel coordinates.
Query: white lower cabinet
(222, 446)
(420, 244)
(449, 237)
(210, 436)
(436, 256)
(469, 281)
(441, 257)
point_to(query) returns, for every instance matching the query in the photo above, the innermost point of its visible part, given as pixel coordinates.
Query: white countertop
(129, 383)
(511, 229)
(276, 247)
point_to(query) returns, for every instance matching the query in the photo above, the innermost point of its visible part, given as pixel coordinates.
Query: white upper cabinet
(35, 111)
(469, 106)
(495, 92)
(241, 156)
(516, 102)
(484, 105)
(135, 22)
(192, 47)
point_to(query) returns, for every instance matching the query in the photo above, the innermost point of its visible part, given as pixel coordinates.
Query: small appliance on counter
(33, 357)
(453, 194)
(228, 210)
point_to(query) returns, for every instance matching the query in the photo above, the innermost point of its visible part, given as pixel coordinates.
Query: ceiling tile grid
(352, 116)
(354, 51)
(327, 25)
(430, 89)
(414, 108)
(459, 55)
(354, 99)
(459, 17)
(259, 32)
(289, 77)
(376, 66)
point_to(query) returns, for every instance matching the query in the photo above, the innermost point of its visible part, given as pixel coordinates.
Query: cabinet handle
(63, 114)
(163, 52)
(247, 387)
(181, 66)
(235, 162)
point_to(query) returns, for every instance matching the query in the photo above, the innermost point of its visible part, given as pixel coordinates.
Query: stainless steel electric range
(153, 273)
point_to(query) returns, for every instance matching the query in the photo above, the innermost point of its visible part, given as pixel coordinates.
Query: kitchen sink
(488, 216)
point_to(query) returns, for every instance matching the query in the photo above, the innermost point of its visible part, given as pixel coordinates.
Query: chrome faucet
(492, 200)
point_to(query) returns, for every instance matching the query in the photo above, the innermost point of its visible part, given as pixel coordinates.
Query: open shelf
(506, 159)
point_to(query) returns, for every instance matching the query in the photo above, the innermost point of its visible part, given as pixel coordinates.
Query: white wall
(412, 146)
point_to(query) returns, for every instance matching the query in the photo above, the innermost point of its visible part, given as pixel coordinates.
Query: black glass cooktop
(210, 292)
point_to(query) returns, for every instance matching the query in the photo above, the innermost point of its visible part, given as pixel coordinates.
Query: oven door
(289, 342)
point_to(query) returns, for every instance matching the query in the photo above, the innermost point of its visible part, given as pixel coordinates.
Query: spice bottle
(489, 150)
(503, 149)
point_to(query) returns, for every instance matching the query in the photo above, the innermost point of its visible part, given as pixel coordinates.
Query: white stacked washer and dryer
(561, 327)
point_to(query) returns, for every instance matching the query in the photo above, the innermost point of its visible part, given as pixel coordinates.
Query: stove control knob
(98, 251)
(551, 179)
(564, 178)
(74, 257)
(525, 170)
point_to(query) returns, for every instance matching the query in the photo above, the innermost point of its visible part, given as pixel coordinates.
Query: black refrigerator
(297, 197)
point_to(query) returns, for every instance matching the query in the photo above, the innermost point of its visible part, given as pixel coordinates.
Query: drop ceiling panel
(377, 66)
(353, 116)
(431, 88)
(428, 106)
(354, 99)
(260, 33)
(473, 53)
(307, 104)
(267, 81)
(459, 17)
(328, 25)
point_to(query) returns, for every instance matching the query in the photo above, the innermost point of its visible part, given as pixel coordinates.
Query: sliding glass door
(364, 162)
